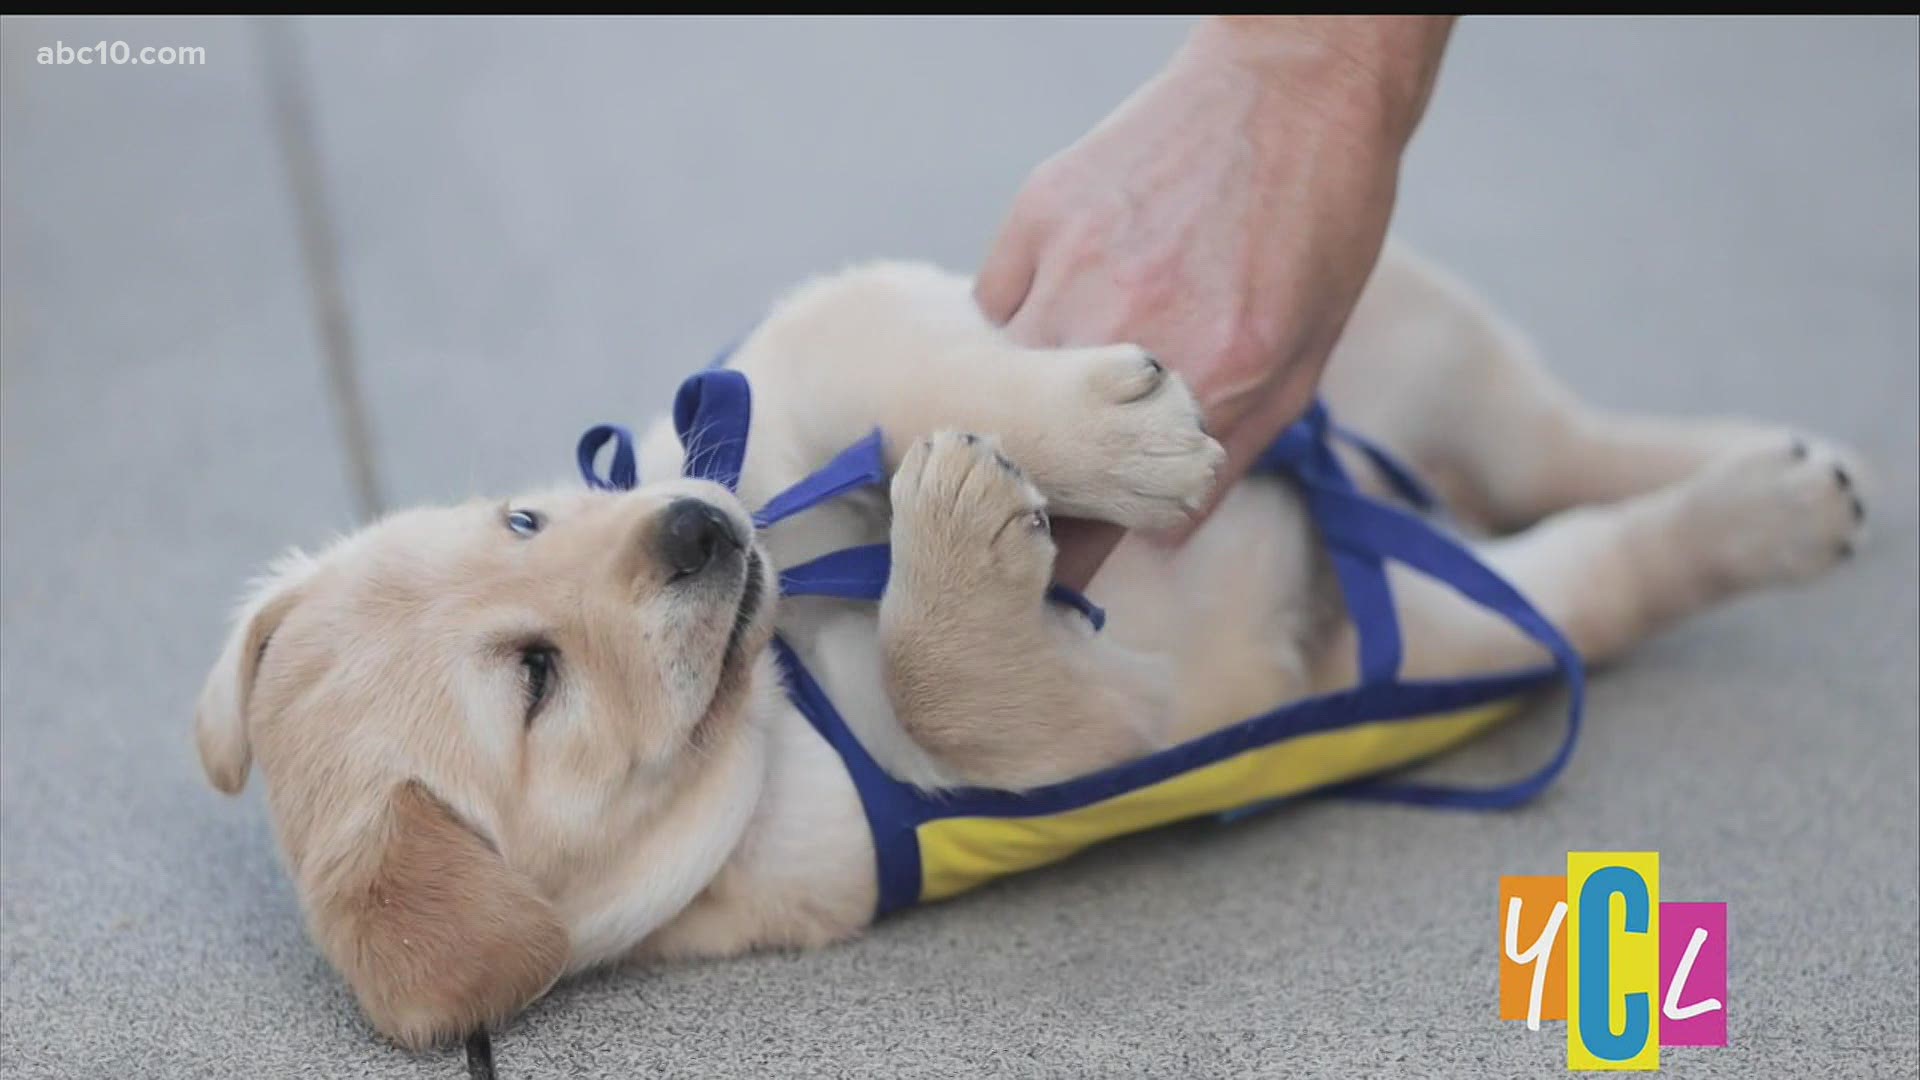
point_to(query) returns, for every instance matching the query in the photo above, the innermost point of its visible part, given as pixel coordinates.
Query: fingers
(1040, 323)
(1065, 307)
(1083, 547)
(1007, 274)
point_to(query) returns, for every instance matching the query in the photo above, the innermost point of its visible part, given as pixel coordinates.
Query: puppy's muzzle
(693, 537)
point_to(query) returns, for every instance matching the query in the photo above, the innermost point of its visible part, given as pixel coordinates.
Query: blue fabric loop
(623, 474)
(712, 413)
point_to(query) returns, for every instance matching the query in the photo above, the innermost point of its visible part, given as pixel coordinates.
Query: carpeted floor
(542, 225)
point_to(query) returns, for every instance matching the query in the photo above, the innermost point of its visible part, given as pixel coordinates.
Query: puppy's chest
(839, 640)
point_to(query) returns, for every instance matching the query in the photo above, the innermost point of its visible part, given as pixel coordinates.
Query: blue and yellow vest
(933, 844)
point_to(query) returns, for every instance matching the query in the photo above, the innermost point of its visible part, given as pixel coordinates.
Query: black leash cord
(479, 1055)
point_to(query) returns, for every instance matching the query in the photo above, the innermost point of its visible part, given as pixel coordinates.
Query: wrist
(1374, 73)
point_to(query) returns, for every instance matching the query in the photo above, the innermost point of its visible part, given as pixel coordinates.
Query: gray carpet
(541, 225)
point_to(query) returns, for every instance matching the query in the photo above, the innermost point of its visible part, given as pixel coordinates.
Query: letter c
(1596, 964)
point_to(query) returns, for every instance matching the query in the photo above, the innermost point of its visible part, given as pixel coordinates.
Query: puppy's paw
(1778, 513)
(1143, 458)
(966, 518)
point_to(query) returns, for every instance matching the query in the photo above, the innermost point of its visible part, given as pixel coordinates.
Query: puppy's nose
(693, 535)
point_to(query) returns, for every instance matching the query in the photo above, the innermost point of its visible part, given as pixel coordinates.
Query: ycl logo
(1598, 949)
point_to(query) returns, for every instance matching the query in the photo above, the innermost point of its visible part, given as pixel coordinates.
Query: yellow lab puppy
(508, 740)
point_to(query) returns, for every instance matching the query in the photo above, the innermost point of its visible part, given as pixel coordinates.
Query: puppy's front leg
(1005, 689)
(1106, 433)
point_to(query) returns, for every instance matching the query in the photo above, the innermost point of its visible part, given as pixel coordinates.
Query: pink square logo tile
(1693, 974)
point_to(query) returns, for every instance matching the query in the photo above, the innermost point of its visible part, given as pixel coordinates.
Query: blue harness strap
(712, 414)
(1303, 451)
(860, 573)
(1398, 476)
(894, 810)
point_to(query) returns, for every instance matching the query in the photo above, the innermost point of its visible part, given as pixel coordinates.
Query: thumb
(1002, 284)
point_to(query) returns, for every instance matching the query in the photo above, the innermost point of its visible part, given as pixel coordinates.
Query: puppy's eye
(524, 522)
(537, 666)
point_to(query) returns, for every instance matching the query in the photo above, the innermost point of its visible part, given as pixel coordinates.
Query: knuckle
(1047, 191)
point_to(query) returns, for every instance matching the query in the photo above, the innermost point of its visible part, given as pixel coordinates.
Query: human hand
(1225, 217)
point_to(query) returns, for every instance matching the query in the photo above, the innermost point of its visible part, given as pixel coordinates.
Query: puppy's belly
(1238, 608)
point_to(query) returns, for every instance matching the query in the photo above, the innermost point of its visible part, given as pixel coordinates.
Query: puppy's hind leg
(1005, 689)
(1430, 371)
(1610, 576)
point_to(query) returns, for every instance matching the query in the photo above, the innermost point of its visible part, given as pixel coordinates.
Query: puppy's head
(500, 740)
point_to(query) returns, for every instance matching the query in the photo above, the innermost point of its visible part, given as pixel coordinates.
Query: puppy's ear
(220, 721)
(434, 931)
